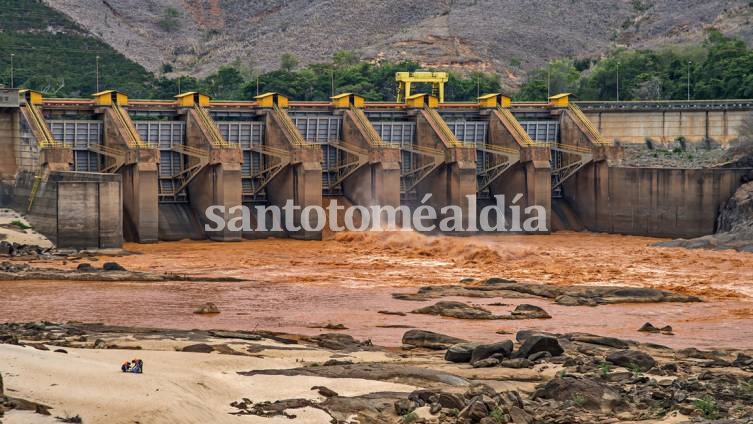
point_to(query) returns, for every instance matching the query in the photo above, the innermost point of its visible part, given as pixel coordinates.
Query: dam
(92, 173)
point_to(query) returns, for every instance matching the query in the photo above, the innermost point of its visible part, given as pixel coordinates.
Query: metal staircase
(363, 122)
(350, 160)
(210, 128)
(496, 160)
(585, 125)
(38, 126)
(440, 126)
(288, 127)
(126, 128)
(197, 160)
(117, 157)
(513, 126)
(431, 159)
(566, 161)
(275, 161)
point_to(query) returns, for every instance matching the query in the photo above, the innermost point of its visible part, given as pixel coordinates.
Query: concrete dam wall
(651, 201)
(92, 173)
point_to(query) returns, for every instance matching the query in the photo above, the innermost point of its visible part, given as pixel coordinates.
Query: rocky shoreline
(535, 377)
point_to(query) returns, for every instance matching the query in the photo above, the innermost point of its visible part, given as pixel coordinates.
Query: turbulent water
(298, 286)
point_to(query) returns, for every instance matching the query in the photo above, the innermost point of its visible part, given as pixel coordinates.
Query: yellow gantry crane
(405, 79)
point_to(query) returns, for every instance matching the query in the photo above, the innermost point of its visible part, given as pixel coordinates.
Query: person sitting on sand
(137, 367)
(126, 366)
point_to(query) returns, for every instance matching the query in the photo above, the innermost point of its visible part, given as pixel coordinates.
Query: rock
(328, 393)
(85, 267)
(568, 300)
(742, 360)
(460, 353)
(198, 348)
(337, 341)
(478, 389)
(451, 401)
(632, 359)
(585, 393)
(100, 344)
(207, 308)
(333, 362)
(536, 344)
(539, 355)
(113, 266)
(242, 335)
(486, 363)
(648, 328)
(600, 340)
(475, 411)
(401, 314)
(526, 311)
(60, 351)
(519, 416)
(403, 407)
(667, 330)
(484, 351)
(454, 309)
(516, 363)
(331, 326)
(429, 339)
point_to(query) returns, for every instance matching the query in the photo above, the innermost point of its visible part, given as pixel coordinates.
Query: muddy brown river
(298, 286)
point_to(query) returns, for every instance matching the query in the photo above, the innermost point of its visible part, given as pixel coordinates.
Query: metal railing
(365, 124)
(213, 132)
(582, 120)
(123, 121)
(441, 127)
(289, 128)
(514, 127)
(39, 127)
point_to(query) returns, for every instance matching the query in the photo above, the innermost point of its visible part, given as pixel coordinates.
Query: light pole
(689, 62)
(618, 81)
(97, 74)
(11, 70)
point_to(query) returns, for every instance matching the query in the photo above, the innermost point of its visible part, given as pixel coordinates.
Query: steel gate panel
(79, 135)
(469, 132)
(542, 130)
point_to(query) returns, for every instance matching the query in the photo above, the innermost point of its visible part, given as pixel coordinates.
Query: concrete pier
(378, 182)
(452, 182)
(301, 181)
(219, 182)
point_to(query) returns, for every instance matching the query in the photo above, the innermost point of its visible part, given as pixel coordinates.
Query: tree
(288, 62)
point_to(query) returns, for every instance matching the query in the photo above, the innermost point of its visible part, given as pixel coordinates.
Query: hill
(508, 37)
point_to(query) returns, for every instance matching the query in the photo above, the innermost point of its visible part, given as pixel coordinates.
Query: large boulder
(456, 310)
(540, 343)
(526, 311)
(585, 393)
(632, 359)
(429, 339)
(460, 353)
(487, 350)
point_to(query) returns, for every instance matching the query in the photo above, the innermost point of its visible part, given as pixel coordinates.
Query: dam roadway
(95, 172)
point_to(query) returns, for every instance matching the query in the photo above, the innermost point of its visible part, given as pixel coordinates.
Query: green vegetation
(20, 224)
(56, 56)
(499, 415)
(410, 417)
(578, 399)
(707, 406)
(720, 68)
(605, 368)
